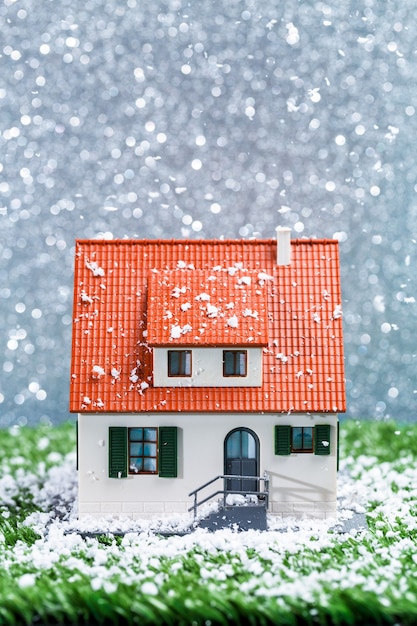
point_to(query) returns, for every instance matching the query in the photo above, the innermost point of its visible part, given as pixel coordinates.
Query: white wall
(299, 483)
(207, 369)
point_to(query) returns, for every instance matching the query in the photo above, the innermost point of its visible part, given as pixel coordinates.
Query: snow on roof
(132, 295)
(197, 307)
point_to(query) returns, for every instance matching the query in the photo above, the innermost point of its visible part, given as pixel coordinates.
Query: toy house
(205, 358)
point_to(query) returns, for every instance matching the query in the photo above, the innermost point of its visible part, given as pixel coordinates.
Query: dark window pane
(302, 439)
(136, 449)
(308, 438)
(136, 434)
(229, 364)
(149, 465)
(179, 362)
(234, 362)
(248, 446)
(173, 363)
(136, 465)
(149, 434)
(297, 438)
(233, 446)
(149, 449)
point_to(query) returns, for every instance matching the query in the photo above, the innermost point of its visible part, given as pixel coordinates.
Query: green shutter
(117, 452)
(167, 460)
(322, 439)
(282, 440)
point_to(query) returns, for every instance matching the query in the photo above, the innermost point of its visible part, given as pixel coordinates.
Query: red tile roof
(221, 307)
(131, 295)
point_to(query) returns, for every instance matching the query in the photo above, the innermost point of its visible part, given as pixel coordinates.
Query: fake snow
(97, 372)
(27, 580)
(337, 313)
(389, 489)
(262, 277)
(150, 589)
(177, 291)
(293, 36)
(133, 376)
(236, 499)
(177, 331)
(290, 560)
(43, 443)
(93, 266)
(203, 297)
(86, 298)
(212, 311)
(182, 265)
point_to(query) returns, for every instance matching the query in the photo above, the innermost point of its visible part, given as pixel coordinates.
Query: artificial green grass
(312, 576)
(386, 441)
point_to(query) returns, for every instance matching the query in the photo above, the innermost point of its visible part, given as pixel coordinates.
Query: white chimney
(283, 245)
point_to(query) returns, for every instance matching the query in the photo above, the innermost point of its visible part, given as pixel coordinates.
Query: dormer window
(179, 362)
(234, 363)
(207, 367)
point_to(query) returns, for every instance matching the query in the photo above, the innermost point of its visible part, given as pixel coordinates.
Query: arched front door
(241, 457)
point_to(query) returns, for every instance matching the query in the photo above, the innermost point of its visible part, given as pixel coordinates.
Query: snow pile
(94, 267)
(271, 560)
(55, 493)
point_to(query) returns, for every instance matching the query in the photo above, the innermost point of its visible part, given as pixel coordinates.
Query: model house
(204, 358)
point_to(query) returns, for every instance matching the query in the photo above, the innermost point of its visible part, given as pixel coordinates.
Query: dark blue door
(241, 457)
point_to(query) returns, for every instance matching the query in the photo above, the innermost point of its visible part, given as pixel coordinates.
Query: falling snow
(213, 121)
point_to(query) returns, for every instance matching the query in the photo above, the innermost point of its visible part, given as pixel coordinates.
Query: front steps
(250, 517)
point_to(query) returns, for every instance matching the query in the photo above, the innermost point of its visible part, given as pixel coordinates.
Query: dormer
(207, 328)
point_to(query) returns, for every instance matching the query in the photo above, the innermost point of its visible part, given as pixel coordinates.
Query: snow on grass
(51, 562)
